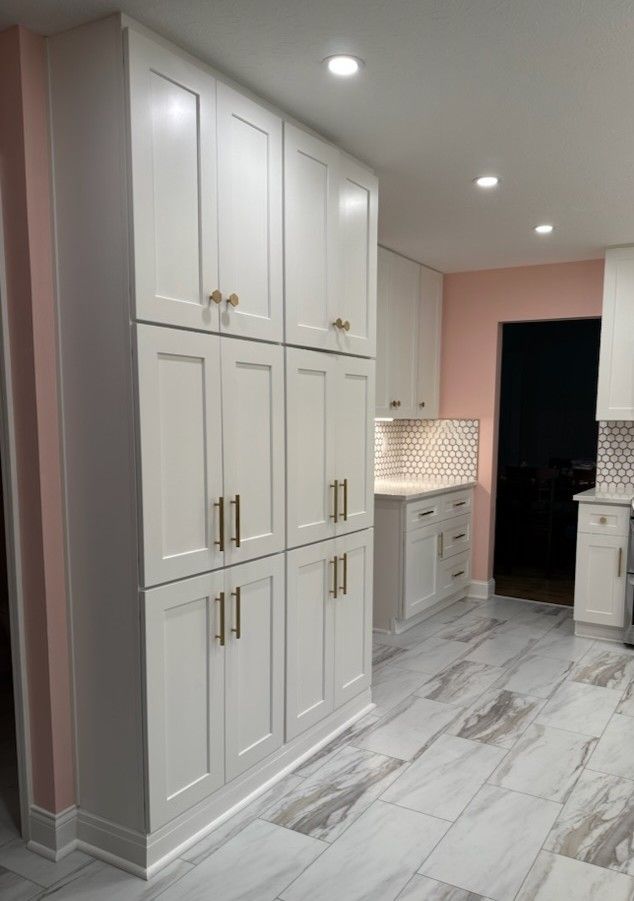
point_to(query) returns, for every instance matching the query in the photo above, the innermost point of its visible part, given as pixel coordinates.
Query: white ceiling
(540, 92)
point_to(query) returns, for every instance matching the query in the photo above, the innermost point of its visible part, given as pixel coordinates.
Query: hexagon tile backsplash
(615, 457)
(426, 448)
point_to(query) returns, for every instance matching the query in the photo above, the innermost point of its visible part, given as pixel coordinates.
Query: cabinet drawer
(454, 574)
(456, 536)
(604, 519)
(424, 513)
(456, 502)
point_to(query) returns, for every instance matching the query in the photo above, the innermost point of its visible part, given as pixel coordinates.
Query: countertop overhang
(592, 496)
(413, 489)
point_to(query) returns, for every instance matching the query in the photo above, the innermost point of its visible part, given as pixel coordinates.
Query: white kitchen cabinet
(330, 444)
(429, 342)
(422, 558)
(600, 575)
(329, 627)
(615, 395)
(383, 398)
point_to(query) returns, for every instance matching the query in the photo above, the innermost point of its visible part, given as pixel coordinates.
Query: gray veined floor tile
(384, 653)
(391, 685)
(256, 865)
(580, 708)
(326, 754)
(15, 888)
(615, 752)
(101, 882)
(555, 878)
(536, 676)
(409, 729)
(597, 823)
(17, 858)
(605, 667)
(433, 655)
(420, 888)
(503, 648)
(373, 859)
(562, 643)
(462, 683)
(468, 629)
(443, 780)
(325, 804)
(491, 847)
(626, 707)
(499, 717)
(413, 636)
(545, 762)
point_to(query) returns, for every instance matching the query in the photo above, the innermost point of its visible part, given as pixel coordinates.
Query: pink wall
(475, 305)
(26, 209)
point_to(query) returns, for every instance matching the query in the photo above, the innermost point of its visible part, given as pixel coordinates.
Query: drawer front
(454, 574)
(456, 536)
(604, 519)
(424, 513)
(457, 502)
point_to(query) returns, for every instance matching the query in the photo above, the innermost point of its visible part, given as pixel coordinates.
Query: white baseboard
(481, 591)
(52, 835)
(597, 630)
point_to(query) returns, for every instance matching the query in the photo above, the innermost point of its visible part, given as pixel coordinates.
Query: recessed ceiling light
(343, 64)
(487, 181)
(544, 229)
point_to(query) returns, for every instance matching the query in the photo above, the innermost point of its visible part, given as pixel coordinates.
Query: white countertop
(593, 496)
(411, 489)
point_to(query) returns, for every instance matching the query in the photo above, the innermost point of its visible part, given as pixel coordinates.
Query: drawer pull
(460, 503)
(620, 563)
(459, 573)
(335, 486)
(426, 513)
(460, 535)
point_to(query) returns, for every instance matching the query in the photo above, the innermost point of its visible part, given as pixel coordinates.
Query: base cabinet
(600, 579)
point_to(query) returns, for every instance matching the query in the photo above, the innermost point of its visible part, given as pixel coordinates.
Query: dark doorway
(547, 453)
(9, 790)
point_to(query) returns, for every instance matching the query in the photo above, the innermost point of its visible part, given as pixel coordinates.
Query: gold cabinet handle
(459, 573)
(233, 299)
(441, 544)
(342, 324)
(603, 520)
(236, 504)
(345, 500)
(344, 560)
(459, 535)
(620, 563)
(459, 503)
(426, 513)
(238, 627)
(220, 503)
(221, 600)
(395, 403)
(216, 296)
(335, 485)
(334, 562)
(422, 403)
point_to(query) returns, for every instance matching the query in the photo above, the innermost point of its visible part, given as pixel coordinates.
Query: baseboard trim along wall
(53, 835)
(481, 591)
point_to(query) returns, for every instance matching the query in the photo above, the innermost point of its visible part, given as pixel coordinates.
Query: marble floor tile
(391, 684)
(507, 608)
(443, 780)
(373, 860)
(597, 823)
(499, 717)
(626, 707)
(101, 882)
(15, 888)
(410, 638)
(555, 878)
(562, 643)
(545, 762)
(615, 752)
(503, 648)
(384, 653)
(17, 858)
(536, 676)
(605, 667)
(467, 629)
(460, 683)
(329, 751)
(420, 888)
(492, 846)
(409, 729)
(433, 655)
(256, 865)
(326, 803)
(580, 708)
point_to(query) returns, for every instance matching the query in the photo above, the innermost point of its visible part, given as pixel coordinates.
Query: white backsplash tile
(426, 448)
(615, 457)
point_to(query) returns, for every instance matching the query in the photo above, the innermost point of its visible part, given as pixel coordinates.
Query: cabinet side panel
(87, 123)
(388, 565)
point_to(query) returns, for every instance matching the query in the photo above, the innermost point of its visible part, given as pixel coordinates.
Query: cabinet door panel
(184, 695)
(353, 616)
(429, 336)
(354, 450)
(255, 662)
(615, 396)
(421, 570)
(310, 442)
(173, 147)
(600, 579)
(253, 442)
(356, 301)
(309, 636)
(383, 346)
(250, 217)
(404, 288)
(310, 238)
(181, 462)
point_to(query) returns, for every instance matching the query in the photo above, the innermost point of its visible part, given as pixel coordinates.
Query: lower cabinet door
(310, 611)
(353, 615)
(454, 574)
(255, 595)
(184, 694)
(354, 446)
(600, 579)
(421, 569)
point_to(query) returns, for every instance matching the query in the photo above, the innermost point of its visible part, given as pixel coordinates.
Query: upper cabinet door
(403, 320)
(354, 449)
(311, 493)
(311, 205)
(354, 304)
(353, 616)
(174, 209)
(383, 398)
(181, 452)
(249, 217)
(253, 443)
(615, 397)
(429, 335)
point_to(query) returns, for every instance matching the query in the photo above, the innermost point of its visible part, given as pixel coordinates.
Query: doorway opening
(547, 453)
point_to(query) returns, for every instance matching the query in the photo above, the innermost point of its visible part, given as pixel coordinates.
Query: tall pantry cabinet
(217, 293)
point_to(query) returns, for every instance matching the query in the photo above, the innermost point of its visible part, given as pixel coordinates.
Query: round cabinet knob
(233, 299)
(342, 324)
(346, 326)
(216, 296)
(395, 403)
(603, 520)
(422, 403)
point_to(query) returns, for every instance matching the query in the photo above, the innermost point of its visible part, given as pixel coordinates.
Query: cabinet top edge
(404, 490)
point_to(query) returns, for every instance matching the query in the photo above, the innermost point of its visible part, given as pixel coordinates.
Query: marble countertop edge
(412, 489)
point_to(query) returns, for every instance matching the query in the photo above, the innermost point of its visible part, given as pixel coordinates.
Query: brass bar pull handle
(334, 578)
(460, 503)
(220, 503)
(335, 486)
(345, 500)
(459, 573)
(344, 560)
(460, 535)
(441, 544)
(236, 504)
(620, 563)
(221, 600)
(426, 513)
(238, 628)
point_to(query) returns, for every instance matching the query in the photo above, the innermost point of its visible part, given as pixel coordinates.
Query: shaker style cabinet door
(429, 336)
(185, 694)
(181, 452)
(354, 304)
(600, 579)
(615, 395)
(311, 496)
(383, 396)
(249, 218)
(255, 595)
(310, 607)
(353, 615)
(311, 250)
(354, 446)
(403, 324)
(422, 559)
(253, 448)
(173, 184)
